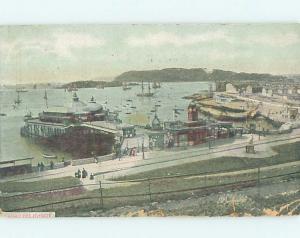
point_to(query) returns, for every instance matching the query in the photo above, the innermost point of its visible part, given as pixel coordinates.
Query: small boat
(18, 99)
(72, 89)
(156, 85)
(2, 114)
(28, 115)
(21, 90)
(47, 156)
(100, 86)
(145, 94)
(126, 87)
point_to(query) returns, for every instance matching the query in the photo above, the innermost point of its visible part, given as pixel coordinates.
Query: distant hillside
(178, 75)
(91, 84)
(191, 75)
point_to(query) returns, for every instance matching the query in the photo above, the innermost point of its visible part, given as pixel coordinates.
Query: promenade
(108, 170)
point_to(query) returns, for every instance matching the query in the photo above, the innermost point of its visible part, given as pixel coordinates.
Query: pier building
(83, 129)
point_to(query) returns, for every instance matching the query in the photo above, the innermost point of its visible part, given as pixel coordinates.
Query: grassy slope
(286, 153)
(49, 184)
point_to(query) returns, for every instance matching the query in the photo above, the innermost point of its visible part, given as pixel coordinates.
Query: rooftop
(76, 107)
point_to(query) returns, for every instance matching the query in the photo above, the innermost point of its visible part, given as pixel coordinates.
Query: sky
(64, 53)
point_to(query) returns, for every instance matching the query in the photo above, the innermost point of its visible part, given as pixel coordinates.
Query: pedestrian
(42, 166)
(39, 166)
(51, 165)
(84, 173)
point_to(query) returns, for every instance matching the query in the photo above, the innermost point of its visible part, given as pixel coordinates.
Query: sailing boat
(156, 85)
(28, 115)
(46, 99)
(147, 94)
(72, 88)
(18, 99)
(21, 90)
(126, 86)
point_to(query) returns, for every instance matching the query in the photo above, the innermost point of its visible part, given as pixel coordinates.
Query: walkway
(161, 159)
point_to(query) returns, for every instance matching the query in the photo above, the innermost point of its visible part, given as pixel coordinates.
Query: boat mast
(142, 87)
(18, 100)
(149, 87)
(46, 99)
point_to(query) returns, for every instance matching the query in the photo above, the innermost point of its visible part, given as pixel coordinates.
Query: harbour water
(132, 109)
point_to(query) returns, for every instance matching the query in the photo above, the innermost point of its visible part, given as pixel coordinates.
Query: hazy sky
(82, 52)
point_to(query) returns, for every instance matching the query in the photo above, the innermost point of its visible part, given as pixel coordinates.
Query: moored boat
(126, 86)
(47, 156)
(21, 90)
(145, 94)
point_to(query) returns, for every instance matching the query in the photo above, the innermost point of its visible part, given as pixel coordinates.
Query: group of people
(41, 166)
(130, 151)
(83, 174)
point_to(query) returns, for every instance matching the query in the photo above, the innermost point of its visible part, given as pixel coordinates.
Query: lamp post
(143, 149)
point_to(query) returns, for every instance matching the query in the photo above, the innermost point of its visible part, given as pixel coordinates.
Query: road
(107, 170)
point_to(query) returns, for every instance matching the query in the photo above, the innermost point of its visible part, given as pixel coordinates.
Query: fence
(146, 190)
(83, 161)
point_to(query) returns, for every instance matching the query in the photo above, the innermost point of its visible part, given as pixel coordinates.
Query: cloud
(60, 43)
(65, 42)
(178, 40)
(165, 38)
(275, 40)
(221, 55)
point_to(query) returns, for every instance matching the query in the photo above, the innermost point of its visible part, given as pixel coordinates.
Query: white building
(267, 92)
(249, 89)
(264, 91)
(230, 88)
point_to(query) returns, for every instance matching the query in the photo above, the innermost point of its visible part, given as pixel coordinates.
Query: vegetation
(192, 75)
(125, 194)
(175, 75)
(286, 153)
(49, 184)
(91, 84)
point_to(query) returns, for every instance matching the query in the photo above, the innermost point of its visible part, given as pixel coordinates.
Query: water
(13, 146)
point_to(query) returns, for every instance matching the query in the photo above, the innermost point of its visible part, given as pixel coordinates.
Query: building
(230, 88)
(13, 167)
(267, 92)
(76, 111)
(292, 90)
(192, 112)
(79, 128)
(249, 89)
(195, 131)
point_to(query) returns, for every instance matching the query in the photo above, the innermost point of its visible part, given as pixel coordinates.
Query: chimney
(192, 112)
